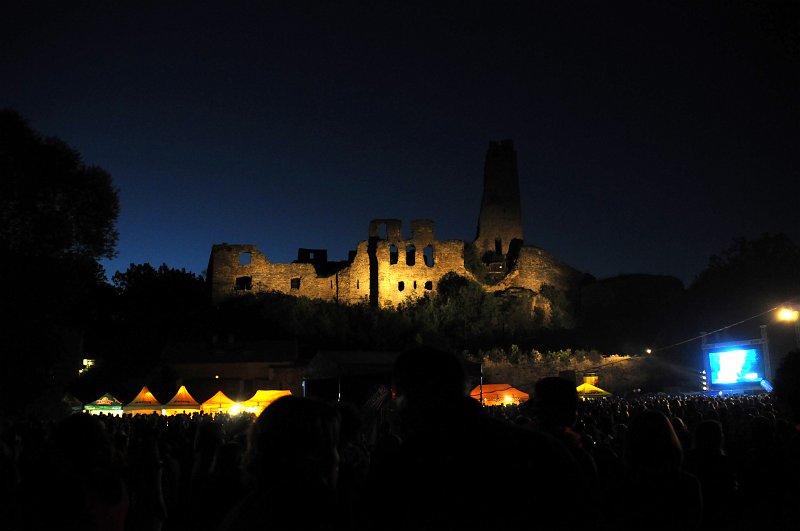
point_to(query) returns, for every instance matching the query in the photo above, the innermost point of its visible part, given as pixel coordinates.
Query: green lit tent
(106, 404)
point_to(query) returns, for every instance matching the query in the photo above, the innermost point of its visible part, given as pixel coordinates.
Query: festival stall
(182, 403)
(219, 403)
(498, 395)
(260, 400)
(105, 405)
(71, 403)
(144, 404)
(587, 390)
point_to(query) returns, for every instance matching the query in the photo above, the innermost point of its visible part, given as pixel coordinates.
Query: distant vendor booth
(219, 403)
(182, 403)
(259, 401)
(143, 404)
(498, 395)
(105, 405)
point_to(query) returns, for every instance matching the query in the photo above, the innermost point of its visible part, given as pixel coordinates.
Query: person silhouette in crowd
(84, 489)
(787, 392)
(656, 492)
(9, 477)
(354, 461)
(554, 410)
(708, 461)
(455, 465)
(292, 459)
(148, 510)
(222, 490)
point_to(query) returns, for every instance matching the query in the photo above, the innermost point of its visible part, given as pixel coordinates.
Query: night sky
(649, 134)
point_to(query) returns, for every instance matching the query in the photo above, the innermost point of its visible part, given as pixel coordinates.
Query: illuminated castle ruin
(387, 269)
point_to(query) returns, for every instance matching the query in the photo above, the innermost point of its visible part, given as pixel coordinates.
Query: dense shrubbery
(460, 316)
(516, 355)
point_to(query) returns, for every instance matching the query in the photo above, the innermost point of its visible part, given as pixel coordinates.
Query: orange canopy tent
(499, 394)
(144, 404)
(261, 400)
(219, 403)
(182, 402)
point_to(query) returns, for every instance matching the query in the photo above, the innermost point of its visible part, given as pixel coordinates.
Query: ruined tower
(500, 221)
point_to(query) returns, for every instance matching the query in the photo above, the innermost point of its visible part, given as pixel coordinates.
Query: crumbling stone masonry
(387, 268)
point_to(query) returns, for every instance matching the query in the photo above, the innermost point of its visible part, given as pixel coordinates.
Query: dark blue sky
(649, 134)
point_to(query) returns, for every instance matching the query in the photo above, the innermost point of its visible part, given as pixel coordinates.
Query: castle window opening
(243, 283)
(429, 285)
(393, 254)
(411, 255)
(401, 286)
(427, 253)
(245, 258)
(415, 284)
(357, 284)
(295, 283)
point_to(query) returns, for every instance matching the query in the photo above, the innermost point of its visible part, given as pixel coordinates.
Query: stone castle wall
(385, 271)
(536, 267)
(388, 269)
(231, 266)
(354, 280)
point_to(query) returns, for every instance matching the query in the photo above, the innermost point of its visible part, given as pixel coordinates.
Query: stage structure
(737, 366)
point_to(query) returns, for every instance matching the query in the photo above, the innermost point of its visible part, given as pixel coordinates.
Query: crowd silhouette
(434, 459)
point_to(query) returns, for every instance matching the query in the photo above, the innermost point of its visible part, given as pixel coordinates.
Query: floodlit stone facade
(388, 268)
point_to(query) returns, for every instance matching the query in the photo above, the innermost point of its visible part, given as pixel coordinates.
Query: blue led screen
(735, 366)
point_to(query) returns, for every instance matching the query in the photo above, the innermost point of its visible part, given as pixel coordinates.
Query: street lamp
(790, 315)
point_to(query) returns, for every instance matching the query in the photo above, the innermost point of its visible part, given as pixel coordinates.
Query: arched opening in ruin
(243, 283)
(401, 286)
(427, 253)
(393, 254)
(411, 255)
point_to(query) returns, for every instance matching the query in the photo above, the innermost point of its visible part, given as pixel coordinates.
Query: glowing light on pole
(790, 315)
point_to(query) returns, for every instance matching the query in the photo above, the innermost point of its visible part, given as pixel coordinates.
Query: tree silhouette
(748, 278)
(57, 220)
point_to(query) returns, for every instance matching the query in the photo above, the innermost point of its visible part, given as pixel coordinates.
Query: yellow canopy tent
(144, 404)
(182, 402)
(261, 400)
(499, 394)
(219, 403)
(587, 390)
